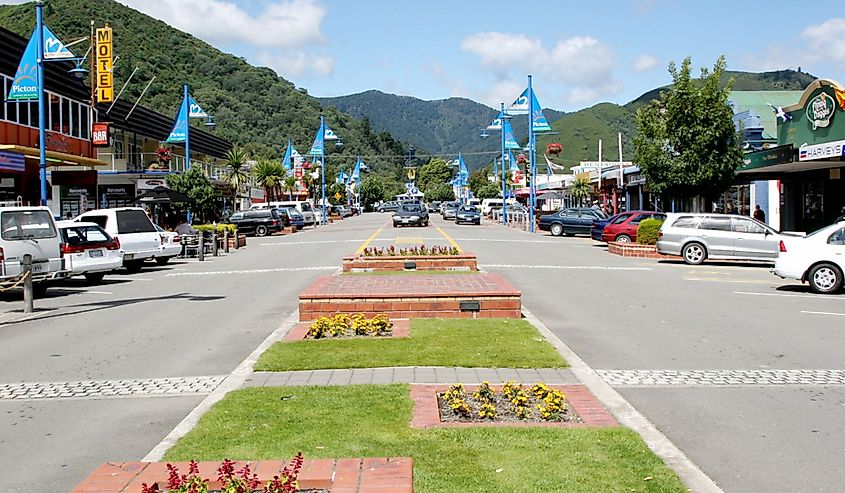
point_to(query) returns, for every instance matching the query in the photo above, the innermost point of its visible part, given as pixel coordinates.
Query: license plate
(95, 253)
(128, 256)
(406, 220)
(37, 268)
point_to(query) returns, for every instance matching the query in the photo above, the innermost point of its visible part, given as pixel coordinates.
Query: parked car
(344, 211)
(304, 207)
(450, 209)
(88, 250)
(30, 231)
(434, 206)
(171, 245)
(138, 237)
(410, 214)
(817, 259)
(697, 237)
(295, 218)
(259, 223)
(489, 205)
(571, 221)
(623, 228)
(467, 214)
(283, 216)
(600, 224)
(389, 206)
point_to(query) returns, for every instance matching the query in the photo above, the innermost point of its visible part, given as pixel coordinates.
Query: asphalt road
(649, 318)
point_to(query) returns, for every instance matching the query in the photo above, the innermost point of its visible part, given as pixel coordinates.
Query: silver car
(697, 237)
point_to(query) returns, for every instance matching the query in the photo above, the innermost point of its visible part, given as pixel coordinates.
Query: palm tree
(236, 159)
(580, 189)
(269, 175)
(289, 185)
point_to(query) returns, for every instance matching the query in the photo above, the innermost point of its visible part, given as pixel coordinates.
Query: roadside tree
(269, 174)
(235, 160)
(489, 191)
(580, 189)
(440, 192)
(371, 192)
(436, 172)
(198, 187)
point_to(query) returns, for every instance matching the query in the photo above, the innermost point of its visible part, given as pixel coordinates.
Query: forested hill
(252, 105)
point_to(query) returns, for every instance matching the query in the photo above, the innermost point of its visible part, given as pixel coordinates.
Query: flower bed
(299, 332)
(229, 480)
(423, 258)
(343, 325)
(538, 403)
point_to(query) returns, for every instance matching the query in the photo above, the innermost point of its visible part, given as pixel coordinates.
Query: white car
(818, 258)
(131, 226)
(88, 250)
(171, 245)
(30, 231)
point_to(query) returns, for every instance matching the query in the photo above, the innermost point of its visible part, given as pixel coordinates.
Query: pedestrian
(841, 216)
(729, 208)
(183, 228)
(759, 214)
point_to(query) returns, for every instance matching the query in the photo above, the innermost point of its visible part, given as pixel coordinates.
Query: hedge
(220, 228)
(647, 231)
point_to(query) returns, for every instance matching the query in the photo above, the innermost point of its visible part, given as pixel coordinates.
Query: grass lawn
(493, 343)
(373, 421)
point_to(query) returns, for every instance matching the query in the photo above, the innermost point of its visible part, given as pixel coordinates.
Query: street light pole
(42, 137)
(531, 157)
(323, 165)
(504, 182)
(187, 130)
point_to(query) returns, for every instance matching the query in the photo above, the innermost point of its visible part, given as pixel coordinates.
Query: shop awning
(55, 158)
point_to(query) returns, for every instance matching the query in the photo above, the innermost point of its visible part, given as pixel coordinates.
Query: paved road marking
(784, 295)
(408, 239)
(98, 389)
(560, 267)
(734, 281)
(449, 238)
(824, 313)
(369, 240)
(721, 378)
(252, 271)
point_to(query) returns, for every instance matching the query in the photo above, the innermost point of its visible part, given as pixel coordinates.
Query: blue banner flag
(328, 133)
(54, 49)
(496, 124)
(288, 155)
(539, 123)
(510, 140)
(180, 128)
(356, 173)
(319, 141)
(25, 84)
(520, 105)
(514, 164)
(463, 173)
(194, 110)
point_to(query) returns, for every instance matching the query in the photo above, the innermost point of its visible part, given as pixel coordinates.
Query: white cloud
(645, 62)
(297, 63)
(773, 57)
(826, 40)
(583, 65)
(283, 24)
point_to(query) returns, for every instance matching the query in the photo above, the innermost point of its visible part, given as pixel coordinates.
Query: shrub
(648, 230)
(220, 228)
(342, 325)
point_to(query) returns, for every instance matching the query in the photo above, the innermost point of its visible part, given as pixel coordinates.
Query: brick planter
(427, 412)
(241, 242)
(401, 328)
(337, 475)
(634, 250)
(481, 295)
(462, 262)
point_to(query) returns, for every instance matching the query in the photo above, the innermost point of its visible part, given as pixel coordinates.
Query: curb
(233, 381)
(690, 474)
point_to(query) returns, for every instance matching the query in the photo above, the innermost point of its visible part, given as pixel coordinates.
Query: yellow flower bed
(343, 325)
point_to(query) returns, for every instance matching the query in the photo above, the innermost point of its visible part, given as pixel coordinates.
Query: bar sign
(105, 79)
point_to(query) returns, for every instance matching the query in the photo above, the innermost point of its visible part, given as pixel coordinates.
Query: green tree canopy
(371, 192)
(440, 192)
(336, 188)
(270, 175)
(489, 191)
(435, 172)
(478, 180)
(686, 143)
(198, 187)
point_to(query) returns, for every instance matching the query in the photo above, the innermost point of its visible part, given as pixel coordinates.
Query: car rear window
(716, 223)
(20, 225)
(305, 206)
(685, 222)
(620, 218)
(133, 222)
(84, 235)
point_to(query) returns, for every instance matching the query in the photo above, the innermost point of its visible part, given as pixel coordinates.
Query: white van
(30, 231)
(304, 207)
(474, 202)
(487, 205)
(133, 229)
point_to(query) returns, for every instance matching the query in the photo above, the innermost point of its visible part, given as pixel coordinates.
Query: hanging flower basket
(521, 159)
(306, 165)
(163, 155)
(554, 148)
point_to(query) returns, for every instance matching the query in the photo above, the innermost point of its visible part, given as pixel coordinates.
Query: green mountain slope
(252, 105)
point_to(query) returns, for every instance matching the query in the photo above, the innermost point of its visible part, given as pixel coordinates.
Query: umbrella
(162, 195)
(551, 196)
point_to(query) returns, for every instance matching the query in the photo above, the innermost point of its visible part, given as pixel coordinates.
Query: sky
(579, 52)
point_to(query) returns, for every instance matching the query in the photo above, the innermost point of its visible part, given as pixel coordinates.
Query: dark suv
(410, 214)
(262, 222)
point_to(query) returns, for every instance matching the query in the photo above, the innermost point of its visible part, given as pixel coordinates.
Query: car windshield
(134, 221)
(26, 225)
(82, 235)
(469, 208)
(410, 208)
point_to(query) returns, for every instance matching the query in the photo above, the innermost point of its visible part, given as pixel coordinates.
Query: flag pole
(323, 164)
(187, 130)
(504, 181)
(42, 137)
(531, 157)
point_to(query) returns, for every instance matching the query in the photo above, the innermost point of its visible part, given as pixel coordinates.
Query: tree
(371, 192)
(435, 172)
(580, 189)
(478, 180)
(686, 143)
(198, 187)
(236, 159)
(269, 174)
(489, 191)
(289, 186)
(333, 190)
(440, 192)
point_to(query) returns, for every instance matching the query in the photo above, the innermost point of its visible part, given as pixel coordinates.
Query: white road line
(782, 295)
(824, 313)
(253, 271)
(561, 267)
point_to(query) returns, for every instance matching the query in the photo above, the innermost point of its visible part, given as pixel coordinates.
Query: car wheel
(395, 225)
(162, 260)
(95, 277)
(556, 229)
(623, 239)
(825, 278)
(134, 265)
(694, 253)
(261, 230)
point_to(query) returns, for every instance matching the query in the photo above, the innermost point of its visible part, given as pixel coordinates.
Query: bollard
(215, 246)
(27, 283)
(201, 248)
(226, 240)
(236, 238)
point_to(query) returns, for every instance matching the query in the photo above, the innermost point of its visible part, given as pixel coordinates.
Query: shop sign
(820, 110)
(256, 193)
(116, 190)
(105, 79)
(767, 157)
(12, 161)
(57, 142)
(821, 151)
(149, 184)
(100, 134)
(74, 192)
